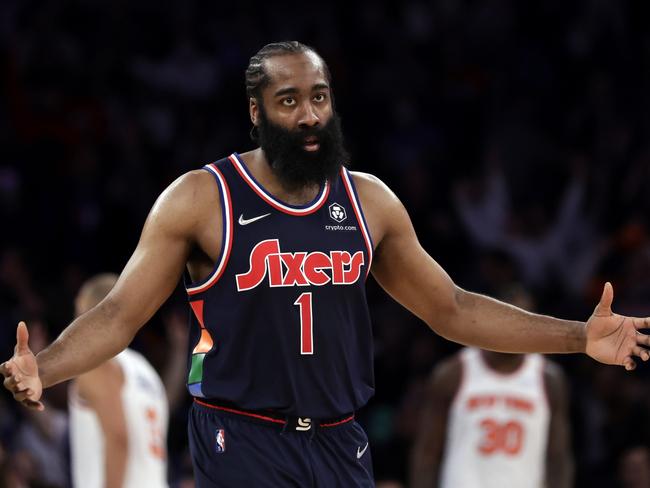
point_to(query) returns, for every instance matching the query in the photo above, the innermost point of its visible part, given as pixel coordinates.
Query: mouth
(311, 144)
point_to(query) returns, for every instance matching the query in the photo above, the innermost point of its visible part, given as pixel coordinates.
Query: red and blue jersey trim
(354, 199)
(296, 210)
(226, 242)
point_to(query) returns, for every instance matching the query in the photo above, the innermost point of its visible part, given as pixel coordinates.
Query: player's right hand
(21, 372)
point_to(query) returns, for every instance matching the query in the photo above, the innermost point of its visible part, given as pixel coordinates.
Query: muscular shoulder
(187, 201)
(191, 191)
(383, 210)
(372, 191)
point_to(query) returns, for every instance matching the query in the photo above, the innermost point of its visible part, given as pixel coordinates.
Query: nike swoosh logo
(243, 221)
(361, 452)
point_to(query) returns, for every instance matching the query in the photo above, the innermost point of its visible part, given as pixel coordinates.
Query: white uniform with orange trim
(497, 427)
(146, 411)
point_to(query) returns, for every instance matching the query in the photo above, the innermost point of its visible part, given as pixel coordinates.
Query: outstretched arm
(152, 273)
(416, 281)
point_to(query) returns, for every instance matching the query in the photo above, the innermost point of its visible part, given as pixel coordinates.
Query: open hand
(21, 372)
(615, 339)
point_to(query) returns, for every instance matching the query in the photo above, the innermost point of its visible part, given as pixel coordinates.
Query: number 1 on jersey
(306, 323)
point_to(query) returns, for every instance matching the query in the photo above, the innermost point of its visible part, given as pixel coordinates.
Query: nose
(308, 117)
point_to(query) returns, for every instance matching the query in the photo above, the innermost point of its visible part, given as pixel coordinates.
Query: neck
(261, 169)
(501, 362)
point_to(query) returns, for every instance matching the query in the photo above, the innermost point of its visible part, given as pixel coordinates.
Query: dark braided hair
(257, 78)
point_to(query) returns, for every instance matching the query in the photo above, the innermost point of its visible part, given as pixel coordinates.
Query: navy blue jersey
(282, 322)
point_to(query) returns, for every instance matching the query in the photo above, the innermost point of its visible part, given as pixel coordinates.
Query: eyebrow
(291, 90)
(285, 91)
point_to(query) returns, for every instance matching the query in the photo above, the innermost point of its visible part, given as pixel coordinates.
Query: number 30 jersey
(497, 429)
(282, 321)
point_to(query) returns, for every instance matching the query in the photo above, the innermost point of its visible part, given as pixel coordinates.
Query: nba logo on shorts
(220, 444)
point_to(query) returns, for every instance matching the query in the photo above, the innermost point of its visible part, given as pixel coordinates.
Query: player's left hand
(20, 373)
(613, 338)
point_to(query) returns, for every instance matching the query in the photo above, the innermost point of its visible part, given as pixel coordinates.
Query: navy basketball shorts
(235, 449)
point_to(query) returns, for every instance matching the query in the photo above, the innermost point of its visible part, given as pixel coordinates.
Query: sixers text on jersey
(300, 268)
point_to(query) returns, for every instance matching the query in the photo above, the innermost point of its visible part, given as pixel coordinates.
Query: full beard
(292, 163)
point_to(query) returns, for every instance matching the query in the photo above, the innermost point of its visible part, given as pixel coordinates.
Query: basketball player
(494, 420)
(278, 243)
(118, 415)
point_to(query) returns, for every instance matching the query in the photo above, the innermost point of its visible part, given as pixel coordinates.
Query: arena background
(516, 134)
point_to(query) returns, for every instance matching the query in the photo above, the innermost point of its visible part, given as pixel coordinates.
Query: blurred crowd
(515, 133)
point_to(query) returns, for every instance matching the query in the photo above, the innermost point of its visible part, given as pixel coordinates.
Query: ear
(253, 110)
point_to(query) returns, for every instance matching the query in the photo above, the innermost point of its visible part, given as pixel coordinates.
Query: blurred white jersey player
(498, 423)
(118, 415)
(494, 420)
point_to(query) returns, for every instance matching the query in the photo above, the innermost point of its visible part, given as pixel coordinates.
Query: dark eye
(320, 97)
(288, 101)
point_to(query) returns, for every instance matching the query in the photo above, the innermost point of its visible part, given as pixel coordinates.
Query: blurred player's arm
(559, 457)
(101, 390)
(181, 216)
(174, 373)
(428, 450)
(413, 278)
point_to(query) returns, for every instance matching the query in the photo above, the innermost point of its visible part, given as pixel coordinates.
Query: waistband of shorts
(269, 417)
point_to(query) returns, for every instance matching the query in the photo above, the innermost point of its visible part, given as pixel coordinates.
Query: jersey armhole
(358, 212)
(193, 288)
